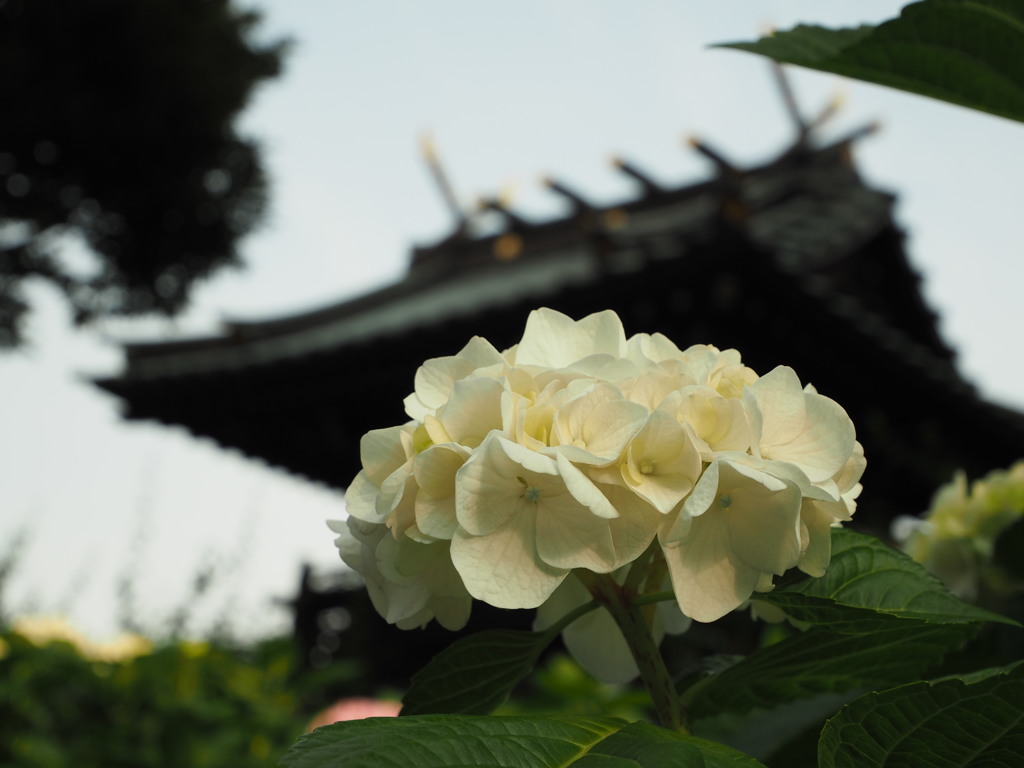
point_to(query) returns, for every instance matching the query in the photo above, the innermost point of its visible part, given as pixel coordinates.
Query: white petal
(435, 378)
(473, 410)
(502, 568)
(635, 527)
(594, 427)
(361, 499)
(554, 340)
(382, 451)
(781, 401)
(662, 463)
(824, 445)
(584, 491)
(652, 347)
(569, 536)
(435, 470)
(708, 578)
(452, 613)
(490, 486)
(764, 519)
(818, 548)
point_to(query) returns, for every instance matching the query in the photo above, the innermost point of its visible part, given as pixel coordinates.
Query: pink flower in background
(354, 708)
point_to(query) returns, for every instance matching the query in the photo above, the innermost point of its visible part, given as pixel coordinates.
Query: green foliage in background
(190, 704)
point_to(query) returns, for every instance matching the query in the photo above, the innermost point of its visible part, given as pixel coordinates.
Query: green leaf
(642, 745)
(827, 613)
(867, 573)
(475, 674)
(819, 661)
(932, 725)
(967, 52)
(460, 741)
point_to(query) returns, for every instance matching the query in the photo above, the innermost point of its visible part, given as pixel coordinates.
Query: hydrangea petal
(361, 499)
(817, 521)
(635, 527)
(662, 463)
(803, 428)
(780, 400)
(502, 568)
(719, 423)
(435, 378)
(491, 486)
(472, 411)
(584, 491)
(764, 518)
(594, 427)
(555, 340)
(825, 445)
(435, 470)
(382, 451)
(569, 536)
(708, 578)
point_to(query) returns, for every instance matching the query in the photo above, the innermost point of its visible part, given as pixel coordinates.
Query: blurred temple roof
(795, 261)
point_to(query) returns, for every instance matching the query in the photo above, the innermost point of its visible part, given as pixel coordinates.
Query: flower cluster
(580, 448)
(956, 537)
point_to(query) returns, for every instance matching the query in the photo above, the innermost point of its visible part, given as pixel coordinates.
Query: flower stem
(635, 628)
(556, 629)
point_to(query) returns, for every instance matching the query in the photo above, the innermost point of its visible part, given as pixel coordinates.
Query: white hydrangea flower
(579, 449)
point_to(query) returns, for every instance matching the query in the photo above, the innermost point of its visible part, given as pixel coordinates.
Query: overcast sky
(510, 92)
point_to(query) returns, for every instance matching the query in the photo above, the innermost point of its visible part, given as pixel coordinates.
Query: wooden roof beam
(650, 186)
(514, 221)
(573, 197)
(724, 166)
(437, 173)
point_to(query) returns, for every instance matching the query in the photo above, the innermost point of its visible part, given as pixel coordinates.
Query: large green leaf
(867, 573)
(820, 661)
(460, 741)
(932, 725)
(967, 52)
(761, 702)
(827, 613)
(642, 745)
(475, 674)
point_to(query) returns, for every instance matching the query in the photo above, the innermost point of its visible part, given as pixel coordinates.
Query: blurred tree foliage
(202, 705)
(118, 129)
